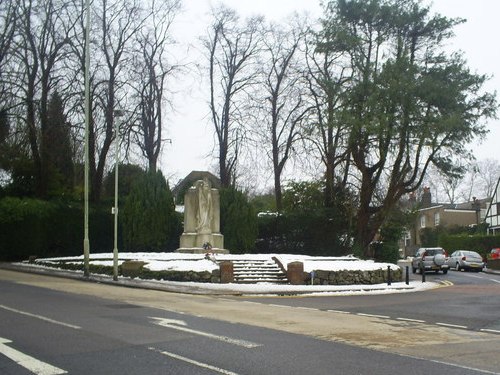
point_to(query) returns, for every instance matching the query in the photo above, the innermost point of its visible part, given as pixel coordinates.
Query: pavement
(234, 289)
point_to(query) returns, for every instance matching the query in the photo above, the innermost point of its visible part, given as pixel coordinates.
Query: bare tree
(284, 107)
(232, 48)
(150, 72)
(8, 27)
(40, 51)
(478, 179)
(120, 21)
(449, 188)
(328, 79)
(488, 173)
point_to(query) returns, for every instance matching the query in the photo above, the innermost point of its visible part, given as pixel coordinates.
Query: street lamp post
(86, 242)
(117, 115)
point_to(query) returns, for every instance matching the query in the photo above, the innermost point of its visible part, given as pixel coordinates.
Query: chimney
(426, 198)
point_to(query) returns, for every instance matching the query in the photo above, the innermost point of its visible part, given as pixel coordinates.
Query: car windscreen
(434, 251)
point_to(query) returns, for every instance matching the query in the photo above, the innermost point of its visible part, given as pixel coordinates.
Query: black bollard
(407, 275)
(389, 275)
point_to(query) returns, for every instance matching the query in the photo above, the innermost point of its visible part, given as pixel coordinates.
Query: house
(433, 215)
(492, 217)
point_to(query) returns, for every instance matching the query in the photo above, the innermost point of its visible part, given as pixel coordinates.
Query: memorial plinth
(202, 220)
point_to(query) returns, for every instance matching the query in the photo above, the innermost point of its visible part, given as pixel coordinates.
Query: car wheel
(457, 267)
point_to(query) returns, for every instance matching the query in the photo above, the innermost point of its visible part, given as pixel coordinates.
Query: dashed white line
(374, 316)
(307, 308)
(39, 317)
(196, 363)
(411, 320)
(448, 364)
(276, 305)
(490, 330)
(452, 325)
(339, 311)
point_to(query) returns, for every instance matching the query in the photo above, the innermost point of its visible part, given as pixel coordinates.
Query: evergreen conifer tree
(57, 160)
(238, 221)
(149, 219)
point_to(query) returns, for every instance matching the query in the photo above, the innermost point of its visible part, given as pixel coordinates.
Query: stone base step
(257, 271)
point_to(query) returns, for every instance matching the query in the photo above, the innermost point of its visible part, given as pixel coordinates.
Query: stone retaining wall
(353, 277)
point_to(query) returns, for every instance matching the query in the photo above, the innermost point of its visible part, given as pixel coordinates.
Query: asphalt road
(51, 325)
(467, 299)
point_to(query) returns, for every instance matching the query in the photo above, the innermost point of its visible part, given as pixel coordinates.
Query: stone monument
(202, 220)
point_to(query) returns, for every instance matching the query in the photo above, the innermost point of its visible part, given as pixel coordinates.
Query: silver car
(430, 259)
(466, 260)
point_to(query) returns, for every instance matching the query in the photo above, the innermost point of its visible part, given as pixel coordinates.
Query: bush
(314, 232)
(238, 221)
(149, 219)
(479, 243)
(47, 229)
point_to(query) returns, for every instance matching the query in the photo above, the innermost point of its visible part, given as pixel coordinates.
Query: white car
(466, 260)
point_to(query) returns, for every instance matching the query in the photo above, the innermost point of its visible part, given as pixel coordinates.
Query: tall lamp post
(118, 114)
(86, 243)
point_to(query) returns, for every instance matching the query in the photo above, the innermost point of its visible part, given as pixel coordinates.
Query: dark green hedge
(315, 232)
(45, 229)
(480, 243)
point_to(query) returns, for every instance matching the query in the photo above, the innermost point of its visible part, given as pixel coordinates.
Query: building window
(437, 218)
(422, 221)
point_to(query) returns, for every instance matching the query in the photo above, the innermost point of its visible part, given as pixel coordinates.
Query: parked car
(430, 259)
(466, 260)
(495, 253)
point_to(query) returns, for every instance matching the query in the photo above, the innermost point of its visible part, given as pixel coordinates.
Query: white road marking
(31, 364)
(306, 308)
(181, 325)
(196, 363)
(447, 364)
(39, 317)
(339, 311)
(490, 330)
(452, 325)
(476, 277)
(495, 281)
(276, 305)
(411, 320)
(374, 316)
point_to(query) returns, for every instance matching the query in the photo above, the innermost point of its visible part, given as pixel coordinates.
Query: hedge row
(479, 243)
(50, 229)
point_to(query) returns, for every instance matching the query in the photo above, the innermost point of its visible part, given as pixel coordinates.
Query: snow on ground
(204, 262)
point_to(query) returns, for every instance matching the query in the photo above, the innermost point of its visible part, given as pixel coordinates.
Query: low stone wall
(353, 277)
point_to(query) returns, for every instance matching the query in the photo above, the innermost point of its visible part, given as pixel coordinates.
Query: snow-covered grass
(209, 262)
(204, 262)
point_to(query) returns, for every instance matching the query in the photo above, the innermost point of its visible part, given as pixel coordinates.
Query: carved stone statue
(202, 220)
(204, 214)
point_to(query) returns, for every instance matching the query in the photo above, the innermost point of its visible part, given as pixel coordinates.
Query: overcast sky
(190, 129)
